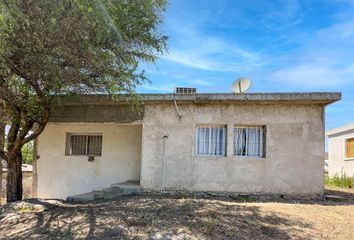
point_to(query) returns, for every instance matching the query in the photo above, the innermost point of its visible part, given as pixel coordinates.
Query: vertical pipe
(163, 162)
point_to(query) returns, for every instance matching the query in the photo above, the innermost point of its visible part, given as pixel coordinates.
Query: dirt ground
(184, 216)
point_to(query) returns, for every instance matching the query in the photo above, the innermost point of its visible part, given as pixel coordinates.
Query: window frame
(210, 126)
(346, 158)
(264, 143)
(68, 144)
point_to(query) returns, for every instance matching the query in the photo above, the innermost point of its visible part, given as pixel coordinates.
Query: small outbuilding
(341, 151)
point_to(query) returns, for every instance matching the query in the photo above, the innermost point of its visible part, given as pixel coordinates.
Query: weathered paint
(116, 109)
(34, 169)
(60, 176)
(294, 149)
(95, 114)
(338, 164)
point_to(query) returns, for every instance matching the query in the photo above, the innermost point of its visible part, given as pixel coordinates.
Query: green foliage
(27, 153)
(342, 181)
(76, 46)
(69, 47)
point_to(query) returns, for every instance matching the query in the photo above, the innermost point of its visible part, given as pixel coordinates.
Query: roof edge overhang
(323, 98)
(340, 130)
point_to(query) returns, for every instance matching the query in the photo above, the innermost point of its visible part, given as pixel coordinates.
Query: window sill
(83, 155)
(229, 158)
(248, 157)
(210, 156)
(348, 159)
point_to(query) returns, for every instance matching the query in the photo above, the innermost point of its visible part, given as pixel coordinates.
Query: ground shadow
(151, 216)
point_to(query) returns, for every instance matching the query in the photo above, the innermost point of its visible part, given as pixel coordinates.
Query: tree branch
(39, 129)
(3, 155)
(12, 135)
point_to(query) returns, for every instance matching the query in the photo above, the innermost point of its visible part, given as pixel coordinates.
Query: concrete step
(112, 193)
(98, 195)
(127, 186)
(116, 190)
(84, 197)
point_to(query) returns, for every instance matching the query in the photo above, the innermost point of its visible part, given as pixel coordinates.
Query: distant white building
(341, 150)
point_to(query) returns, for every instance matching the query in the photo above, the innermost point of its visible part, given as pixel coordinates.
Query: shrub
(342, 181)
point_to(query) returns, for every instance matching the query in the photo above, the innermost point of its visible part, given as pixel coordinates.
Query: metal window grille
(211, 141)
(249, 141)
(87, 145)
(94, 145)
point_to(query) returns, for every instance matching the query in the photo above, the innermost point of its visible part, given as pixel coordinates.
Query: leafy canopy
(71, 47)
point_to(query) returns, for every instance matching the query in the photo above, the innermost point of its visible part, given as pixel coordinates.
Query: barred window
(249, 141)
(84, 144)
(211, 141)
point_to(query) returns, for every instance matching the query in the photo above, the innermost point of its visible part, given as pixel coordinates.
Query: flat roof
(287, 97)
(342, 129)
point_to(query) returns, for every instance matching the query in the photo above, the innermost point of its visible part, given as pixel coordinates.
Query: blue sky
(280, 45)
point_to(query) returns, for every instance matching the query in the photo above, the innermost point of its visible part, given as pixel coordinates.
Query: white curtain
(240, 139)
(248, 141)
(203, 141)
(211, 141)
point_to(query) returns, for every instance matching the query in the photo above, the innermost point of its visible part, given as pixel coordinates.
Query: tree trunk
(2, 142)
(14, 178)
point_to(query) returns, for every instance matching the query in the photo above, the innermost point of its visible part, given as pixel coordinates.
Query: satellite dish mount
(241, 85)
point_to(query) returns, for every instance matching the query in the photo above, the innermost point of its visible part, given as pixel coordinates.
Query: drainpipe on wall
(163, 162)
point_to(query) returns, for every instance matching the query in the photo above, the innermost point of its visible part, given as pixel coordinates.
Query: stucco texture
(338, 164)
(294, 149)
(60, 176)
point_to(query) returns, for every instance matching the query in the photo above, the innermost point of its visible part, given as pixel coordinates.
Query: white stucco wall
(336, 154)
(60, 176)
(294, 149)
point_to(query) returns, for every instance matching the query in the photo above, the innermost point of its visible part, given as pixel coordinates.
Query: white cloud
(167, 88)
(325, 61)
(213, 54)
(283, 14)
(313, 75)
(339, 31)
(200, 82)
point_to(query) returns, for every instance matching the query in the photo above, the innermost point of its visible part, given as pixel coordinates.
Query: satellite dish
(241, 85)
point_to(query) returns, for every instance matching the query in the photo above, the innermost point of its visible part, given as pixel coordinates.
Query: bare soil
(184, 216)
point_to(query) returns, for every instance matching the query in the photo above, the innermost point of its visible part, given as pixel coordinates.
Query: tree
(50, 48)
(2, 142)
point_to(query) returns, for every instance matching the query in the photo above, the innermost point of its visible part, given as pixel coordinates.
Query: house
(250, 143)
(341, 150)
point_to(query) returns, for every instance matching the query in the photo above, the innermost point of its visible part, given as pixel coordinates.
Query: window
(211, 140)
(84, 144)
(249, 141)
(349, 148)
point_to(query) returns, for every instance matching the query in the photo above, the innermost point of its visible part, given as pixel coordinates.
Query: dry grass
(183, 217)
